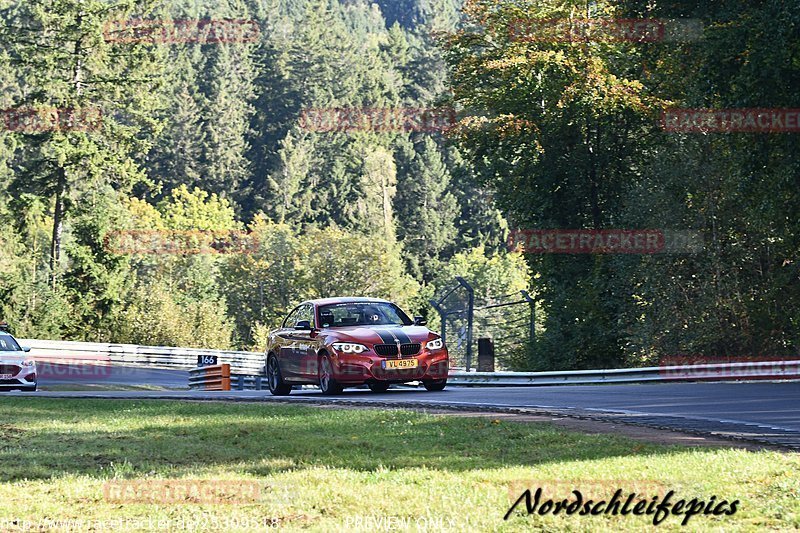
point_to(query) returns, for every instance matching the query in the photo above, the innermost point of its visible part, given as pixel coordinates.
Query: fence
(508, 320)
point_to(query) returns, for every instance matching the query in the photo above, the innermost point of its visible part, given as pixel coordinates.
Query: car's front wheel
(435, 385)
(327, 383)
(277, 386)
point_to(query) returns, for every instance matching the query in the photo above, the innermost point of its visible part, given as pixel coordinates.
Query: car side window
(307, 313)
(292, 319)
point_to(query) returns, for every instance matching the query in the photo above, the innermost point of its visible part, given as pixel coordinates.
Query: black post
(470, 313)
(485, 355)
(532, 303)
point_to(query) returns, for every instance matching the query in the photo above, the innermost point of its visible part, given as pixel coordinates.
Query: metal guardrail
(251, 365)
(248, 363)
(704, 372)
(241, 382)
(210, 378)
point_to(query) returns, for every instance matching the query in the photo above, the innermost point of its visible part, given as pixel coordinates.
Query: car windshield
(8, 344)
(362, 314)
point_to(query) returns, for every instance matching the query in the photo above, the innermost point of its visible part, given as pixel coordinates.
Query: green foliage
(570, 138)
(208, 136)
(289, 268)
(157, 316)
(496, 278)
(427, 210)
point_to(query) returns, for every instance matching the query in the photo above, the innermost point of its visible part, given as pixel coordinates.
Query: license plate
(396, 364)
(6, 376)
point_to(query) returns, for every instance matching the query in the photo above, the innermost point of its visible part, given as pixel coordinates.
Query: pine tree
(178, 156)
(426, 209)
(230, 91)
(63, 50)
(291, 183)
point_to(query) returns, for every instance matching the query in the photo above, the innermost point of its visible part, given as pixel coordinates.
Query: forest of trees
(210, 136)
(573, 138)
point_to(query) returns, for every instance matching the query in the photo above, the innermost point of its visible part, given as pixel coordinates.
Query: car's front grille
(390, 350)
(386, 350)
(9, 369)
(409, 349)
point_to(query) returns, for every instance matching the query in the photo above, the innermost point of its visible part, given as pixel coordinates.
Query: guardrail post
(258, 382)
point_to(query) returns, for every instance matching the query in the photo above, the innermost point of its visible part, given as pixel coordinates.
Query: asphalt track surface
(106, 375)
(764, 412)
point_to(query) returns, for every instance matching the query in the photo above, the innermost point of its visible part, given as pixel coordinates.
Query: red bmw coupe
(345, 342)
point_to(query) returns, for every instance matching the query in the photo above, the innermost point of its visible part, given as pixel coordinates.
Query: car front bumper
(368, 367)
(15, 376)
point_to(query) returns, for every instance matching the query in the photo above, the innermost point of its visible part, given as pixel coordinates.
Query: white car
(17, 369)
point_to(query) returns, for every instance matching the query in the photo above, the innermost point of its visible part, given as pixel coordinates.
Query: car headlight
(29, 362)
(349, 347)
(435, 344)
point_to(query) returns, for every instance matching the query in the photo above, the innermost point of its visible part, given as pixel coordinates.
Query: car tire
(327, 383)
(378, 387)
(277, 386)
(435, 385)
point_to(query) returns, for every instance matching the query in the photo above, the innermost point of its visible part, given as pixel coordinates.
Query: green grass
(337, 469)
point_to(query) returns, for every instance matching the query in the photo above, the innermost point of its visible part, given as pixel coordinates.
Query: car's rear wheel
(277, 386)
(327, 383)
(435, 385)
(379, 387)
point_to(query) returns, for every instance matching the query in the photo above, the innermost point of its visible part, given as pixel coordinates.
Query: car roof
(346, 300)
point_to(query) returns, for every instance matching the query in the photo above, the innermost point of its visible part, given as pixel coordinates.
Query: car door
(285, 340)
(306, 346)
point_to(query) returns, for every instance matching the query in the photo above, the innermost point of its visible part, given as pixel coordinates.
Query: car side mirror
(303, 325)
(26, 349)
(420, 321)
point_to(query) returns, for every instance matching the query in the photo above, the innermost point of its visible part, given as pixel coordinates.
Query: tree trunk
(61, 184)
(58, 226)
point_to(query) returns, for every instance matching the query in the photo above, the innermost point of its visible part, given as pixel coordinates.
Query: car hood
(382, 334)
(13, 358)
